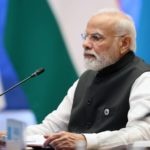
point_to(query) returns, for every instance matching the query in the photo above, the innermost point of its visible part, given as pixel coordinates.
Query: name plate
(15, 134)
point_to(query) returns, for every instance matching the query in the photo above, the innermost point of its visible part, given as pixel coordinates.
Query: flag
(33, 40)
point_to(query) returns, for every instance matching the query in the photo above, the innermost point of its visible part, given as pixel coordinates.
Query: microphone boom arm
(36, 73)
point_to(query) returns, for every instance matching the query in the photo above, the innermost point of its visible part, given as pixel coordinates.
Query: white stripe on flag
(72, 16)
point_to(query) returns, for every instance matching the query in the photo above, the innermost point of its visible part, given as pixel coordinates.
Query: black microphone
(36, 73)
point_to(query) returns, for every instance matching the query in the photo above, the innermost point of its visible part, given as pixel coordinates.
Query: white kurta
(135, 130)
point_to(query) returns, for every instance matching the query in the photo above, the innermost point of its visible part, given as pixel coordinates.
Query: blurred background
(47, 33)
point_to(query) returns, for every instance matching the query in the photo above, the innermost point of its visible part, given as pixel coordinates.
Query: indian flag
(44, 33)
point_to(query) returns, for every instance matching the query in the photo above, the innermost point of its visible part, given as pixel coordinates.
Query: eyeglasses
(97, 37)
(94, 37)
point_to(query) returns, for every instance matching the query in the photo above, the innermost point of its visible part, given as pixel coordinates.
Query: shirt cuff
(92, 142)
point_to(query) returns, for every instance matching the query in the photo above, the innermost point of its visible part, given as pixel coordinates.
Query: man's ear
(125, 44)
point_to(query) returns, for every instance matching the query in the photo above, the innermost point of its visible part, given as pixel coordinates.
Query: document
(35, 140)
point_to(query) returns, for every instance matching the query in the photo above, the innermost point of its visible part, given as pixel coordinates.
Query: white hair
(124, 25)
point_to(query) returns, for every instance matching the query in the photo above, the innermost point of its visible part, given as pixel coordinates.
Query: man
(107, 106)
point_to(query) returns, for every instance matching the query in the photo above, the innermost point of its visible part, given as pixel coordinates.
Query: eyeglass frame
(97, 37)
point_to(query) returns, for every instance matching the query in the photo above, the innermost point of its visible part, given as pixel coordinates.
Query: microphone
(36, 73)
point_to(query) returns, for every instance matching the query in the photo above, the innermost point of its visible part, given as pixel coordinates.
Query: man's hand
(2, 133)
(64, 140)
(2, 138)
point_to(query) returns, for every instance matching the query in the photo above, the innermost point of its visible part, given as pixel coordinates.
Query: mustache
(90, 52)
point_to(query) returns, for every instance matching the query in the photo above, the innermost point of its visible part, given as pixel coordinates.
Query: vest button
(106, 112)
(89, 102)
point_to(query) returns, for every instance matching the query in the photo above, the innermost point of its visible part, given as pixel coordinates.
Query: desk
(3, 147)
(27, 148)
(129, 147)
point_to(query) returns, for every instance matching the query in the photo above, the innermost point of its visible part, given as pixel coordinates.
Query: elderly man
(107, 106)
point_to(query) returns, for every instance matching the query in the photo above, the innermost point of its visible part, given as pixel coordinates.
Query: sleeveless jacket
(101, 100)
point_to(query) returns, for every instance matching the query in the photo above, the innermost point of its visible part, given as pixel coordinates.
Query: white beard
(99, 62)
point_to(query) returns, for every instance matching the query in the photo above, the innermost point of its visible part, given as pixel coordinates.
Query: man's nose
(87, 44)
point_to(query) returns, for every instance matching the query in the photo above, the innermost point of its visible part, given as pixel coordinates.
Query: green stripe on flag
(33, 40)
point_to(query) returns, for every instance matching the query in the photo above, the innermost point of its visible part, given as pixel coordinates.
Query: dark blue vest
(101, 100)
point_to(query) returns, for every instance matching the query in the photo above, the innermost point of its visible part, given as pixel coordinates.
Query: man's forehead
(106, 19)
(101, 22)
